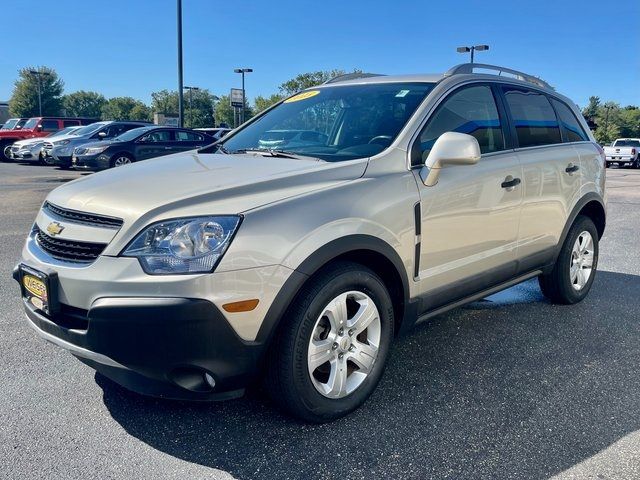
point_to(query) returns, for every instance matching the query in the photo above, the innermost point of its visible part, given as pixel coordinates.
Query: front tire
(120, 160)
(331, 350)
(575, 269)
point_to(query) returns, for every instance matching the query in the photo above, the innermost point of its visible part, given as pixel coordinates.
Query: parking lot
(507, 387)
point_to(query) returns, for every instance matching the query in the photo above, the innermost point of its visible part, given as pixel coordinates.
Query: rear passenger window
(471, 110)
(70, 123)
(183, 136)
(571, 128)
(49, 125)
(533, 116)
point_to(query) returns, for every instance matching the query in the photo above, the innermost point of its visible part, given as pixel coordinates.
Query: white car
(30, 148)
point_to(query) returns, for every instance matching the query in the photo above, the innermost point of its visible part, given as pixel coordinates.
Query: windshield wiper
(273, 152)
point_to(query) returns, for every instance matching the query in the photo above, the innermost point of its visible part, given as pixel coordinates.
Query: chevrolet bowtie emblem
(54, 228)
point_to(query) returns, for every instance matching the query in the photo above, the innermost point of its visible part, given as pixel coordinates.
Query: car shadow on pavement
(511, 386)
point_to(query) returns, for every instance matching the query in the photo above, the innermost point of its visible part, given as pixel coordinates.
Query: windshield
(10, 124)
(334, 123)
(89, 129)
(31, 124)
(132, 134)
(627, 143)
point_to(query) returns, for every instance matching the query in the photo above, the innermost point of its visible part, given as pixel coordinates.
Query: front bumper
(156, 346)
(90, 162)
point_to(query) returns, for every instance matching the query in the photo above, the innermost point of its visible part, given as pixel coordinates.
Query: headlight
(94, 150)
(187, 245)
(61, 142)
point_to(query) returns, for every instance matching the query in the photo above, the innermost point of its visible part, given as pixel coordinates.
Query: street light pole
(180, 83)
(191, 89)
(244, 102)
(38, 74)
(472, 49)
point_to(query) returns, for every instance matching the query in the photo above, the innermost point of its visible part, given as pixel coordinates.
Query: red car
(38, 127)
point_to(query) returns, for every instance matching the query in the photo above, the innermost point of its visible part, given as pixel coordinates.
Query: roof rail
(525, 77)
(352, 76)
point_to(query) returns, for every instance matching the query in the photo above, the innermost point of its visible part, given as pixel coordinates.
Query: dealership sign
(236, 97)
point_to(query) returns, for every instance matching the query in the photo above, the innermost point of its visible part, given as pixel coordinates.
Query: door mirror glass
(451, 148)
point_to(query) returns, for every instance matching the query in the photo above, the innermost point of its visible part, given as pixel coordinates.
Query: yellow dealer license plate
(36, 289)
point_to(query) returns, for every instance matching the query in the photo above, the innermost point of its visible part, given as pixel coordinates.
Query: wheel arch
(121, 152)
(590, 205)
(367, 250)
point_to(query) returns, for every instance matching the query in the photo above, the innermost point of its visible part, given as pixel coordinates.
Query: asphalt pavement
(507, 387)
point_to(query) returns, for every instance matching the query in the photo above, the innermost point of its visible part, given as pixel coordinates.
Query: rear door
(188, 140)
(551, 174)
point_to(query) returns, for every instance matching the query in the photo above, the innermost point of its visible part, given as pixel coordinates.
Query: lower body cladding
(155, 343)
(173, 347)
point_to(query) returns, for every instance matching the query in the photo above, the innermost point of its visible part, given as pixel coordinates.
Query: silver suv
(194, 275)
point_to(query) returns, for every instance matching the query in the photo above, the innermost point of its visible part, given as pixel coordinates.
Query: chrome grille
(68, 250)
(81, 217)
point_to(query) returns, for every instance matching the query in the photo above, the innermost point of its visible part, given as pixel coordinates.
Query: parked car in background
(624, 152)
(31, 148)
(38, 127)
(14, 124)
(216, 133)
(137, 144)
(58, 152)
(193, 276)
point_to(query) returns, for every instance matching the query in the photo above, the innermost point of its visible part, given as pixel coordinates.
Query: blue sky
(128, 47)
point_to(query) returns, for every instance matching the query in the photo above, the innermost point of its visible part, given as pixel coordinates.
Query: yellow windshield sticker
(302, 96)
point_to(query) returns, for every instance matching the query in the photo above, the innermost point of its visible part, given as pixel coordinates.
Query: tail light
(633, 151)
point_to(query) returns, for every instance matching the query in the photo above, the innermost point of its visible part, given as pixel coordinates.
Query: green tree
(124, 108)
(24, 99)
(83, 104)
(591, 110)
(225, 113)
(310, 79)
(262, 103)
(140, 112)
(198, 106)
(608, 122)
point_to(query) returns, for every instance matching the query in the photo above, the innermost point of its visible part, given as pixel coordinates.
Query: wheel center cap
(345, 343)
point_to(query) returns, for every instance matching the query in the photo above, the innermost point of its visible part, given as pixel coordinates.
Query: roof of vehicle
(490, 72)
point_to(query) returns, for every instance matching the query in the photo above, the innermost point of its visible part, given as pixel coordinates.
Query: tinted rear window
(533, 116)
(571, 128)
(627, 143)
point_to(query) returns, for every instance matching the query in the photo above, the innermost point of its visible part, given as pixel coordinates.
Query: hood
(102, 143)
(188, 184)
(30, 141)
(60, 137)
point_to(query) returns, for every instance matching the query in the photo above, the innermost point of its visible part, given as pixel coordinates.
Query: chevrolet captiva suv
(198, 274)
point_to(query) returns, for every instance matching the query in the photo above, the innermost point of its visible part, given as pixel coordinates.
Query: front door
(470, 217)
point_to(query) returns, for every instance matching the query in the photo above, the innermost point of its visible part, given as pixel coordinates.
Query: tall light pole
(180, 84)
(39, 74)
(244, 102)
(472, 49)
(191, 89)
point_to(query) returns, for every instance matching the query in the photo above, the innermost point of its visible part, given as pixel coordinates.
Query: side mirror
(102, 135)
(451, 148)
(39, 128)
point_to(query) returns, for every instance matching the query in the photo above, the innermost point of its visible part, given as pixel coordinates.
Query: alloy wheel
(344, 344)
(582, 256)
(120, 161)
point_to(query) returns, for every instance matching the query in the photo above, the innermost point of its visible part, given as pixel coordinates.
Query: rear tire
(575, 269)
(331, 311)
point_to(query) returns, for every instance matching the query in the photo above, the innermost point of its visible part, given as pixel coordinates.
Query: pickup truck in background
(37, 127)
(623, 152)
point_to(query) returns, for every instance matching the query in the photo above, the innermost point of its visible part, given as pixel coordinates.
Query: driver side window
(470, 110)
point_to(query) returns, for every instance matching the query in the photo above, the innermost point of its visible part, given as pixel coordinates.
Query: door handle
(510, 182)
(167, 148)
(572, 168)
